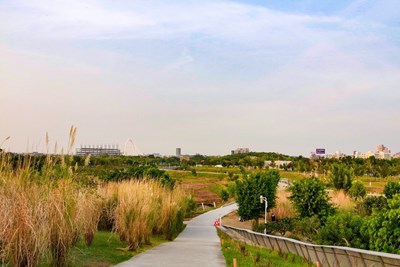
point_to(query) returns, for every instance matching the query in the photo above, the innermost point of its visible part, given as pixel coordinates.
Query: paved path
(198, 245)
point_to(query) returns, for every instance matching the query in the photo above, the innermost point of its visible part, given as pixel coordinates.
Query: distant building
(337, 155)
(396, 156)
(240, 150)
(178, 152)
(381, 152)
(155, 155)
(110, 150)
(382, 148)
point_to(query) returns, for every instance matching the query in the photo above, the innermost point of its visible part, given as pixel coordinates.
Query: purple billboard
(320, 151)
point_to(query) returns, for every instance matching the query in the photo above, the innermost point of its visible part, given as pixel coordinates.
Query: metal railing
(331, 256)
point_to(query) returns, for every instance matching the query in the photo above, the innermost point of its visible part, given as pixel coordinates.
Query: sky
(208, 76)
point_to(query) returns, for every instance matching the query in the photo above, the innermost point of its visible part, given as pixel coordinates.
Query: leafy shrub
(344, 229)
(357, 190)
(224, 195)
(369, 203)
(391, 188)
(281, 226)
(384, 229)
(232, 190)
(307, 226)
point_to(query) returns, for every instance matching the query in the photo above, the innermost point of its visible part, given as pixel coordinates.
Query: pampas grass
(342, 200)
(284, 207)
(141, 208)
(45, 210)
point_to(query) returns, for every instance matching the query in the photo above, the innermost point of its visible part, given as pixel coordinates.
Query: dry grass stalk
(140, 208)
(23, 232)
(42, 210)
(89, 212)
(284, 207)
(342, 200)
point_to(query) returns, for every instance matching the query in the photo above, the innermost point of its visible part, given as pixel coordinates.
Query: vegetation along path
(197, 245)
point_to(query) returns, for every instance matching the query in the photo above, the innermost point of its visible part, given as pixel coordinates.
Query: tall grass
(342, 200)
(140, 208)
(44, 211)
(284, 207)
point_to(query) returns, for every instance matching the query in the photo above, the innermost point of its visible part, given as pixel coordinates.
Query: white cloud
(224, 72)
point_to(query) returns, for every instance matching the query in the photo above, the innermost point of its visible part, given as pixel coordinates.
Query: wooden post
(234, 262)
(318, 264)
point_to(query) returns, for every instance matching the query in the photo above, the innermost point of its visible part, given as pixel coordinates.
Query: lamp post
(264, 199)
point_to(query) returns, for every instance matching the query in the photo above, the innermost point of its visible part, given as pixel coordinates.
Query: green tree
(357, 190)
(249, 190)
(309, 198)
(224, 195)
(384, 229)
(341, 177)
(391, 188)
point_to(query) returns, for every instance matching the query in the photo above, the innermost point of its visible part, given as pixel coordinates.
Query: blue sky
(207, 76)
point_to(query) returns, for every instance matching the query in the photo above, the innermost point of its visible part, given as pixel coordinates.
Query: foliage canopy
(249, 190)
(309, 198)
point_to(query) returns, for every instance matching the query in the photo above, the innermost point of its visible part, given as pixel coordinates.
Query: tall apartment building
(178, 152)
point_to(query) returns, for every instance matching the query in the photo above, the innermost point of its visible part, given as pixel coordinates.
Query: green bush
(369, 203)
(384, 228)
(281, 226)
(357, 190)
(224, 195)
(391, 188)
(309, 198)
(344, 229)
(307, 227)
(232, 190)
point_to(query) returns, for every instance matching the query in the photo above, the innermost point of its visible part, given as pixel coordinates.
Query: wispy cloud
(229, 67)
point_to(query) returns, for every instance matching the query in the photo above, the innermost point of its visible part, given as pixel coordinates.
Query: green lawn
(188, 178)
(249, 256)
(106, 250)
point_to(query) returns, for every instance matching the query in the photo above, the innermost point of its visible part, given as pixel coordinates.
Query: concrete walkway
(197, 245)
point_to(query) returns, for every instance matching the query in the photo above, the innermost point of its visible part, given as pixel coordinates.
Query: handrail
(332, 256)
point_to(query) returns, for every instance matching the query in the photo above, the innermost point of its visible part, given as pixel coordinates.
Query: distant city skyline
(206, 76)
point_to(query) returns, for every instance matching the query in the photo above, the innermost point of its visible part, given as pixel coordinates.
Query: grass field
(205, 187)
(106, 250)
(249, 256)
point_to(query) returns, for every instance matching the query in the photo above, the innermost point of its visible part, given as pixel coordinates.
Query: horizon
(205, 76)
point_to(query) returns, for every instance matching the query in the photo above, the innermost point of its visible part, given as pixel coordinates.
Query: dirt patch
(200, 192)
(232, 219)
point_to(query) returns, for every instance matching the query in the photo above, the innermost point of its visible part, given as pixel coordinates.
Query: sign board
(320, 151)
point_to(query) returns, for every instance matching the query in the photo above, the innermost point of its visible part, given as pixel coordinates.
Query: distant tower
(178, 152)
